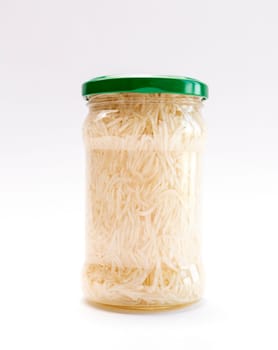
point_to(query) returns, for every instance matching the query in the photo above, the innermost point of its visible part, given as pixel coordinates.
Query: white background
(47, 49)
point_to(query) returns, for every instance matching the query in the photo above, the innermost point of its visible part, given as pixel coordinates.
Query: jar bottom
(140, 308)
(163, 289)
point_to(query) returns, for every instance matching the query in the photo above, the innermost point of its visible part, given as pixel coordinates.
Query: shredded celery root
(143, 183)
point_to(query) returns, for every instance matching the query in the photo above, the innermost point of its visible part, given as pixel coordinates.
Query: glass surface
(144, 155)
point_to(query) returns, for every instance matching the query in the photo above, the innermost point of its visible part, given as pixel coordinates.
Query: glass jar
(144, 138)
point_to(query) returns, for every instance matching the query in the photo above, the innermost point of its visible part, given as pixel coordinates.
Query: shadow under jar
(144, 138)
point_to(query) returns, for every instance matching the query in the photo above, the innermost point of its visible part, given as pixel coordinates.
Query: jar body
(143, 156)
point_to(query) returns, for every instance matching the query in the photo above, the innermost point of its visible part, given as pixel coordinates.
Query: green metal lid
(145, 84)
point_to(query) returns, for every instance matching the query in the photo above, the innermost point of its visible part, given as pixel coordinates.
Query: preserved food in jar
(143, 154)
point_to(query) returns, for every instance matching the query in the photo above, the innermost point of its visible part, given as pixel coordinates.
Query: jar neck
(110, 100)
